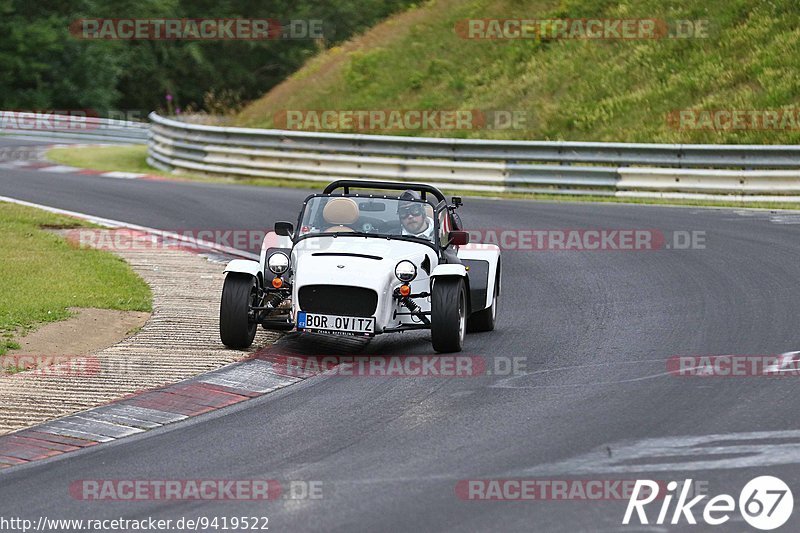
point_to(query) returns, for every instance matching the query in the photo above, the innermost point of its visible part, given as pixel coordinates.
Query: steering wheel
(387, 227)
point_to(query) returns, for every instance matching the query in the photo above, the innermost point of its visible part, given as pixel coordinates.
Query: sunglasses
(411, 212)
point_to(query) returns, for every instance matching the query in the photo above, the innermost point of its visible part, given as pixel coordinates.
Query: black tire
(448, 314)
(236, 329)
(484, 320)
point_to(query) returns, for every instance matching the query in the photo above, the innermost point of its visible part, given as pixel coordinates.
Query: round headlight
(405, 271)
(278, 263)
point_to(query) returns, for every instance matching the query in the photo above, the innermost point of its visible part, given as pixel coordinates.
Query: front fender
(244, 266)
(453, 270)
(449, 270)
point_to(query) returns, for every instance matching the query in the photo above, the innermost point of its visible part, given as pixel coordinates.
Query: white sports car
(362, 264)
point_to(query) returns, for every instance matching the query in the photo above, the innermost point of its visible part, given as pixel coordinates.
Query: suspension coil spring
(411, 305)
(275, 300)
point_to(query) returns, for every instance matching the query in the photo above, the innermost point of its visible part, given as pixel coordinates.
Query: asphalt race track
(593, 328)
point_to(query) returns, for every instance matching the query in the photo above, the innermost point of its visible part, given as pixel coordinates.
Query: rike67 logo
(765, 503)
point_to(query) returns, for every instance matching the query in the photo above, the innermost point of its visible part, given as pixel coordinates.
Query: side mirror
(457, 201)
(459, 238)
(284, 229)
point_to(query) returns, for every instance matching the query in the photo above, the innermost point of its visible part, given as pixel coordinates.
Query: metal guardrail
(737, 172)
(740, 172)
(47, 127)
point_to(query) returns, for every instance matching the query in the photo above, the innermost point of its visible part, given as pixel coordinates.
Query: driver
(412, 216)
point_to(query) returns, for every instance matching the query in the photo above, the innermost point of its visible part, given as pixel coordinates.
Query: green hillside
(568, 89)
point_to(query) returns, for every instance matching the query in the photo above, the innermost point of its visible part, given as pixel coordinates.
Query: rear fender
(484, 284)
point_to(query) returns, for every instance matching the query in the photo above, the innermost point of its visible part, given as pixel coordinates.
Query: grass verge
(42, 275)
(564, 88)
(133, 159)
(108, 158)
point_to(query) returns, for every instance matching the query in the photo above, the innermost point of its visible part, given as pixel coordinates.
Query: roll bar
(422, 188)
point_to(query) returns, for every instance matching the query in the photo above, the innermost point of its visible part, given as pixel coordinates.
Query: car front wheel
(236, 328)
(448, 314)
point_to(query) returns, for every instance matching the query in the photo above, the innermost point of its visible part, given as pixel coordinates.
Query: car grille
(338, 300)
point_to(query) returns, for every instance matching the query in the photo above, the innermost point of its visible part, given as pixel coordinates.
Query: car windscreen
(363, 215)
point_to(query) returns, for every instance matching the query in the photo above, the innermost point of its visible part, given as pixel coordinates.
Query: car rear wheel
(448, 314)
(236, 327)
